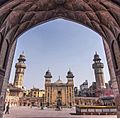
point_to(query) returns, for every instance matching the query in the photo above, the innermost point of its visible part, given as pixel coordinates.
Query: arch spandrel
(99, 15)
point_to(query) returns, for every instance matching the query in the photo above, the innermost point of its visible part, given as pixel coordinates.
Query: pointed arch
(17, 16)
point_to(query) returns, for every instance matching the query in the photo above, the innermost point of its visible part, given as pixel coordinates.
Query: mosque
(60, 91)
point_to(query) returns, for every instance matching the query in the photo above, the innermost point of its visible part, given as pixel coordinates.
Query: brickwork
(111, 69)
(17, 16)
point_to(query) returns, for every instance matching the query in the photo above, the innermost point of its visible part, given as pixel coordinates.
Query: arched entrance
(17, 16)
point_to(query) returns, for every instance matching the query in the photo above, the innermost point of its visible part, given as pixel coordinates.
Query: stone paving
(26, 112)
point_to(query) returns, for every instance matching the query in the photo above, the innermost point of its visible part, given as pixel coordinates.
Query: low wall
(96, 110)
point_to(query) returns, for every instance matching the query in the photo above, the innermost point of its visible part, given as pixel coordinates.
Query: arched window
(1, 41)
(114, 56)
(118, 40)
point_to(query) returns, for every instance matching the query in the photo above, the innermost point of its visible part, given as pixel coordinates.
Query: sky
(59, 45)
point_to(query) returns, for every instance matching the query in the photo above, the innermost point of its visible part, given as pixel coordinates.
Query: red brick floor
(26, 112)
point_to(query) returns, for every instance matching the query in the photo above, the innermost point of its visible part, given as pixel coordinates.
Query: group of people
(6, 108)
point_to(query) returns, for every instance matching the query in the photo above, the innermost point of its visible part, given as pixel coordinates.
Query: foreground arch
(18, 16)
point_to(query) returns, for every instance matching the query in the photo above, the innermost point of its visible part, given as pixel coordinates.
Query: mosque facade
(59, 91)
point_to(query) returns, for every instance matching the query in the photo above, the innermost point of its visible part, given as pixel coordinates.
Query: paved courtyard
(26, 112)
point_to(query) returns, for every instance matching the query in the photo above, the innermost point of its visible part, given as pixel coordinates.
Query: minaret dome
(70, 74)
(48, 74)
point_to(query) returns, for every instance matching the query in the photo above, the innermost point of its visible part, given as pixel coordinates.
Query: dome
(85, 83)
(59, 81)
(70, 74)
(22, 57)
(48, 74)
(96, 57)
(21, 60)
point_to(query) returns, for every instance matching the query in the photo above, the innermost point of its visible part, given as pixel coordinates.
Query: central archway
(17, 16)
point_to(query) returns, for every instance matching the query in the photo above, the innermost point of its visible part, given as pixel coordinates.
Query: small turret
(48, 76)
(70, 76)
(21, 61)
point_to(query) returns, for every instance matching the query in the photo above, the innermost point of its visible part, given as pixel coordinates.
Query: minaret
(98, 70)
(48, 93)
(20, 69)
(70, 77)
(48, 77)
(70, 89)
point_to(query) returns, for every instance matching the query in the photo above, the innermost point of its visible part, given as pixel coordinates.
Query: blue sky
(59, 45)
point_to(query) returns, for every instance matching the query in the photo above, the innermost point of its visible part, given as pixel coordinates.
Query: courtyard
(27, 112)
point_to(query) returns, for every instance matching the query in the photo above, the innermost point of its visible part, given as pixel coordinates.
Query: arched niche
(1, 40)
(115, 54)
(4, 53)
(118, 40)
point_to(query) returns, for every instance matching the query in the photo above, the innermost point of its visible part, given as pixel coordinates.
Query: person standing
(4, 107)
(7, 109)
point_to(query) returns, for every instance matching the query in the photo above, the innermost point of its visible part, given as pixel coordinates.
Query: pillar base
(118, 114)
(117, 102)
(1, 115)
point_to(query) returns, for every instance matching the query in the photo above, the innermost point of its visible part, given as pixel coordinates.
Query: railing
(96, 110)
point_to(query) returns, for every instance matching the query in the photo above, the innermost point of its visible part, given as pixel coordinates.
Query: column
(4, 76)
(111, 68)
(117, 99)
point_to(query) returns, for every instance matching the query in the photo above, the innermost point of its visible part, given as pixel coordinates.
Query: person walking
(4, 107)
(7, 109)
